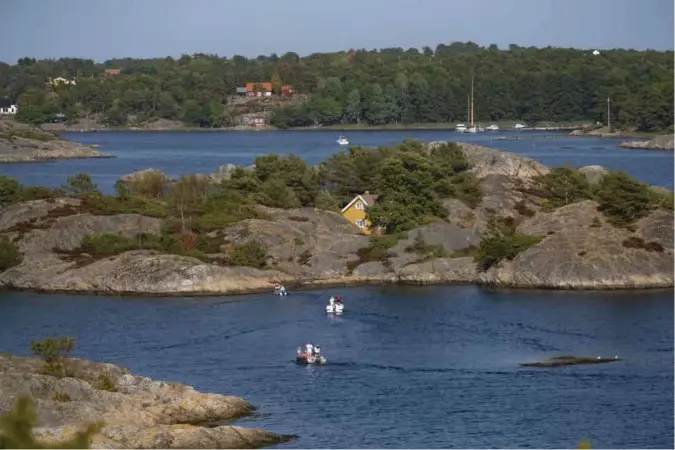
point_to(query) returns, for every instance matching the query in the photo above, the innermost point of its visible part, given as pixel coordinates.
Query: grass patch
(105, 383)
(54, 352)
(638, 242)
(60, 397)
(106, 205)
(522, 209)
(10, 255)
(29, 134)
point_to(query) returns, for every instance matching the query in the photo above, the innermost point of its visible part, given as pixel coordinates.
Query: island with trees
(444, 213)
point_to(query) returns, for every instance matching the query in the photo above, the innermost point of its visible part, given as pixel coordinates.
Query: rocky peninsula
(665, 142)
(525, 227)
(136, 412)
(20, 143)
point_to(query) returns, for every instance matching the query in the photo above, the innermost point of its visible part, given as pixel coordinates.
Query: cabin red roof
(267, 86)
(112, 72)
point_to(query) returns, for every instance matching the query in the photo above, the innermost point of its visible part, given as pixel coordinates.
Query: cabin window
(360, 223)
(359, 205)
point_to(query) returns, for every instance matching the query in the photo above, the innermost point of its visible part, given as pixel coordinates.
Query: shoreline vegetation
(450, 214)
(380, 88)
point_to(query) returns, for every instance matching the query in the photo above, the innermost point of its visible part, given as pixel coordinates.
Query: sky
(101, 30)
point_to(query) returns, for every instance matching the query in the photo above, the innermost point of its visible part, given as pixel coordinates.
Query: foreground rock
(22, 143)
(142, 413)
(665, 142)
(557, 361)
(309, 247)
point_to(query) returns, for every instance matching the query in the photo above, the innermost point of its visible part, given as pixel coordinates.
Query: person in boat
(298, 352)
(317, 351)
(310, 350)
(338, 299)
(331, 300)
(282, 290)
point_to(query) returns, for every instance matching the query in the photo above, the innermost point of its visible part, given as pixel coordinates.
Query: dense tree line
(391, 85)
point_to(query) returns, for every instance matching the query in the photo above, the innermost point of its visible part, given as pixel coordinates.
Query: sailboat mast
(471, 100)
(468, 109)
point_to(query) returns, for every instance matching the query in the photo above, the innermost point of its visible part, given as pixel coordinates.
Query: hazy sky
(103, 29)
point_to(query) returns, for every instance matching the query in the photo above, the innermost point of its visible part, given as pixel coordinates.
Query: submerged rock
(137, 412)
(557, 361)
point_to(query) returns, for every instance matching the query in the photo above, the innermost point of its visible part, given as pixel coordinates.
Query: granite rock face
(21, 143)
(142, 413)
(665, 142)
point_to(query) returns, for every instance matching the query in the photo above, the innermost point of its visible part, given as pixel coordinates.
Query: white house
(6, 107)
(61, 80)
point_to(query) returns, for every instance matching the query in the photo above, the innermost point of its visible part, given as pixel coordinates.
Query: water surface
(408, 367)
(177, 153)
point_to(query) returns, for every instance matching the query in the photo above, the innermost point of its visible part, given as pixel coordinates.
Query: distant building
(61, 80)
(259, 89)
(7, 107)
(287, 91)
(257, 121)
(596, 52)
(241, 91)
(109, 72)
(355, 211)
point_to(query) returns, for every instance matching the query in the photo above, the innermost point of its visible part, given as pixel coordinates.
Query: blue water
(408, 367)
(195, 152)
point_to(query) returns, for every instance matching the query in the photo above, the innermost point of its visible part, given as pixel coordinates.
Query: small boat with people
(335, 305)
(342, 140)
(280, 290)
(311, 355)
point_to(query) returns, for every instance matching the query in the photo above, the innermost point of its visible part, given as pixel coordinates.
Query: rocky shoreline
(21, 143)
(137, 412)
(665, 142)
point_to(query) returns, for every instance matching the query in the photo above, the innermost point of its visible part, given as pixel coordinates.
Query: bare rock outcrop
(580, 250)
(21, 143)
(487, 161)
(137, 412)
(594, 174)
(664, 142)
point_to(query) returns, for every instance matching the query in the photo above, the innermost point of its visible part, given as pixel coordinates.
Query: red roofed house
(109, 72)
(287, 91)
(259, 89)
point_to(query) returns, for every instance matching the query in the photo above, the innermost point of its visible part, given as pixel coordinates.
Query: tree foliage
(54, 352)
(502, 242)
(16, 429)
(390, 85)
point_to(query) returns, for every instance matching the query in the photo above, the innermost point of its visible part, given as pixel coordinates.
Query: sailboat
(472, 126)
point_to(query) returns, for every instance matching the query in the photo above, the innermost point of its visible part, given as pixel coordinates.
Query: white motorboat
(471, 129)
(304, 359)
(519, 126)
(342, 140)
(335, 306)
(460, 127)
(493, 127)
(312, 355)
(280, 291)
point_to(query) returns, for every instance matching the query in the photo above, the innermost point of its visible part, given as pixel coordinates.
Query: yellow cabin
(355, 211)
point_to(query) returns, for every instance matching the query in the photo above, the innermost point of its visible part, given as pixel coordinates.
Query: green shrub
(275, 194)
(424, 250)
(251, 253)
(502, 242)
(9, 190)
(105, 383)
(326, 201)
(106, 205)
(54, 353)
(79, 184)
(564, 186)
(662, 199)
(377, 250)
(623, 199)
(638, 242)
(10, 255)
(149, 184)
(16, 429)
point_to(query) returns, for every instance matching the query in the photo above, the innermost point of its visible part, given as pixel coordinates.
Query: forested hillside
(374, 87)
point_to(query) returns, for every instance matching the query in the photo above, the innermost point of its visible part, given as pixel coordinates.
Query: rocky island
(24, 143)
(449, 213)
(134, 411)
(665, 142)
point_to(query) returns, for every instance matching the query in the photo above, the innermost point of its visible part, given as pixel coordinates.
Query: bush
(662, 199)
(79, 184)
(424, 250)
(502, 242)
(564, 186)
(327, 201)
(10, 255)
(275, 194)
(9, 190)
(16, 429)
(377, 250)
(106, 205)
(623, 199)
(251, 253)
(148, 184)
(54, 352)
(105, 383)
(638, 242)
